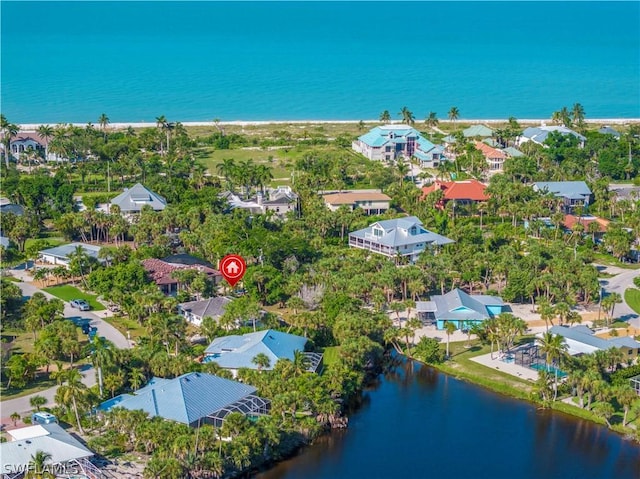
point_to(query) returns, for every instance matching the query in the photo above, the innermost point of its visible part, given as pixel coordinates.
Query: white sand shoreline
(119, 125)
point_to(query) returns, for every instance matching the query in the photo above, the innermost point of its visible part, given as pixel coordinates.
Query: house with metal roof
(460, 308)
(193, 399)
(372, 202)
(280, 200)
(390, 142)
(607, 130)
(477, 131)
(235, 352)
(196, 311)
(398, 238)
(67, 453)
(133, 199)
(61, 255)
(582, 340)
(572, 193)
(538, 134)
(512, 152)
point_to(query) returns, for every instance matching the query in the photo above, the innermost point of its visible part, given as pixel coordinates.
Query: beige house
(373, 202)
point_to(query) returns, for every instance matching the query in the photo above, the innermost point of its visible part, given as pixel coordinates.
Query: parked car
(43, 418)
(81, 304)
(86, 328)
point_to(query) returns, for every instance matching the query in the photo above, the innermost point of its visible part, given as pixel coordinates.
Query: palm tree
(38, 465)
(103, 121)
(136, 378)
(449, 328)
(578, 114)
(431, 121)
(37, 402)
(407, 116)
(46, 133)
(385, 117)
(8, 130)
(554, 348)
(454, 114)
(72, 392)
(15, 417)
(262, 361)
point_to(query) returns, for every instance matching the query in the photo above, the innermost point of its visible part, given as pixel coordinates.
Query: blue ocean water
(195, 61)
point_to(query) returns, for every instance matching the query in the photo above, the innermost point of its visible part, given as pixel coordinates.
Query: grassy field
(124, 324)
(68, 293)
(51, 240)
(632, 298)
(330, 355)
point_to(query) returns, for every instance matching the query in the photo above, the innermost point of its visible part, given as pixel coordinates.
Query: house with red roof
(463, 192)
(495, 157)
(161, 272)
(570, 222)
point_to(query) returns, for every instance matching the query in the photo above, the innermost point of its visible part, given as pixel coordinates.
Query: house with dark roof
(235, 352)
(372, 202)
(572, 193)
(391, 142)
(66, 452)
(132, 200)
(196, 311)
(494, 157)
(462, 192)
(460, 308)
(582, 340)
(161, 272)
(193, 399)
(12, 208)
(397, 238)
(538, 134)
(280, 200)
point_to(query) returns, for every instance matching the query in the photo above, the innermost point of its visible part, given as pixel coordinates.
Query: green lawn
(52, 241)
(67, 293)
(331, 355)
(632, 298)
(124, 324)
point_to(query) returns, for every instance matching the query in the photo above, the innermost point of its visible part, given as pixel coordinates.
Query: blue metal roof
(568, 189)
(235, 352)
(186, 399)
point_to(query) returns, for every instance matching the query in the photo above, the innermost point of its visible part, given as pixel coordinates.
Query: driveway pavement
(21, 405)
(619, 283)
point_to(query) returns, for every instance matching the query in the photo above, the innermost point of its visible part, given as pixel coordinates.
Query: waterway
(419, 423)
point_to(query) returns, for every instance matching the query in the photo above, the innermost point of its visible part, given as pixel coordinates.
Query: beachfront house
(404, 238)
(460, 308)
(462, 192)
(572, 193)
(607, 130)
(193, 399)
(477, 131)
(235, 352)
(372, 202)
(539, 134)
(582, 340)
(132, 200)
(62, 255)
(66, 452)
(196, 311)
(392, 142)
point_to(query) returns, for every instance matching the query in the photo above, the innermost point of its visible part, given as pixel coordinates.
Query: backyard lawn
(68, 293)
(632, 298)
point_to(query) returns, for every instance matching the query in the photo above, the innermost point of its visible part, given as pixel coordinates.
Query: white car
(81, 304)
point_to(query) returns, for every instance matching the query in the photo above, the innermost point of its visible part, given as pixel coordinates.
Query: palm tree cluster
(569, 118)
(246, 174)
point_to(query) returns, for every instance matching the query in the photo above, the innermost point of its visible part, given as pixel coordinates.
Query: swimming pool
(552, 369)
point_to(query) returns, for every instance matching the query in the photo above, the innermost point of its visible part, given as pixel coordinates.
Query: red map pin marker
(233, 268)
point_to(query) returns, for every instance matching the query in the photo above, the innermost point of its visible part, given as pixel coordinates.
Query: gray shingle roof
(50, 438)
(583, 334)
(235, 352)
(397, 232)
(133, 199)
(538, 134)
(457, 305)
(607, 130)
(567, 189)
(212, 307)
(186, 399)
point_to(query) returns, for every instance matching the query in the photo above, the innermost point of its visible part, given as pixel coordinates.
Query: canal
(418, 423)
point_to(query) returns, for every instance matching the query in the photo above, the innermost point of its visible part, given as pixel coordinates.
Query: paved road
(619, 283)
(21, 405)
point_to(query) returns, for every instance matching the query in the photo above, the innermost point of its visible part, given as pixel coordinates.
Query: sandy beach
(529, 121)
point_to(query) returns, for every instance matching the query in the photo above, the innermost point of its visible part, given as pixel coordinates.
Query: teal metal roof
(477, 130)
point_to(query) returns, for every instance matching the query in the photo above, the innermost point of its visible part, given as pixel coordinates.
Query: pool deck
(509, 368)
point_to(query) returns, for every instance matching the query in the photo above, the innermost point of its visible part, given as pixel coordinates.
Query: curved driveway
(21, 405)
